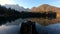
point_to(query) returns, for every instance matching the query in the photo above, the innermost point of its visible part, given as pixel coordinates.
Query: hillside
(8, 15)
(45, 8)
(16, 7)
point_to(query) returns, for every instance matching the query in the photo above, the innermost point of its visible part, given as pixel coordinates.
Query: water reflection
(50, 29)
(43, 21)
(12, 29)
(14, 26)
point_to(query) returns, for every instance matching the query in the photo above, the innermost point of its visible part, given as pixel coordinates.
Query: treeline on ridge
(45, 15)
(8, 14)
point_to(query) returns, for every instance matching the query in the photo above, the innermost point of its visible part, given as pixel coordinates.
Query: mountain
(16, 7)
(45, 7)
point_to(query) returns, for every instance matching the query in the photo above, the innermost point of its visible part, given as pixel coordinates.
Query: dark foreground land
(28, 28)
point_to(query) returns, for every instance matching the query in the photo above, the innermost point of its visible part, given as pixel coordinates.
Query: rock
(28, 28)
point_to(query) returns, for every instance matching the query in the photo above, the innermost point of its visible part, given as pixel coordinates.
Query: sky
(31, 3)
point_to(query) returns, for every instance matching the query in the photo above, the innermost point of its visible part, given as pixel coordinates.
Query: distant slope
(16, 7)
(45, 7)
(8, 15)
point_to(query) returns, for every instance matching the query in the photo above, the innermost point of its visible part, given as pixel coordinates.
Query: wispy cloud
(31, 3)
(2, 2)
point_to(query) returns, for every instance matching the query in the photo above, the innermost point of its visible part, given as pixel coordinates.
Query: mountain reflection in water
(50, 29)
(14, 27)
(45, 22)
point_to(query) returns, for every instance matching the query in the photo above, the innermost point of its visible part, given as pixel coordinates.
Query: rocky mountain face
(16, 7)
(45, 7)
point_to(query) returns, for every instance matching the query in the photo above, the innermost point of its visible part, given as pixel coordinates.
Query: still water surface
(14, 27)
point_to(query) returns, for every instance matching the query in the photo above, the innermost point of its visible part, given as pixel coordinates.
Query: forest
(48, 14)
(8, 14)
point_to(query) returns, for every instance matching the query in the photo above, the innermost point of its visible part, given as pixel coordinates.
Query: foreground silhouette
(28, 28)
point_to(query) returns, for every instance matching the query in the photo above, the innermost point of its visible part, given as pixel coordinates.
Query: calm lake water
(14, 26)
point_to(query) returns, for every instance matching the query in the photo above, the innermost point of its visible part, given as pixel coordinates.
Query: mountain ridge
(16, 7)
(45, 7)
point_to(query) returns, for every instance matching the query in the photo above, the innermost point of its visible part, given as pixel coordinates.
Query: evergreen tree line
(45, 15)
(8, 14)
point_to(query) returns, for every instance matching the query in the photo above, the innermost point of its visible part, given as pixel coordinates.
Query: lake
(14, 26)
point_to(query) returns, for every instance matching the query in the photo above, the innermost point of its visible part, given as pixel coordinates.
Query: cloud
(2, 2)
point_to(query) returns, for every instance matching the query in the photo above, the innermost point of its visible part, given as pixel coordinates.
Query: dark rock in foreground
(28, 28)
